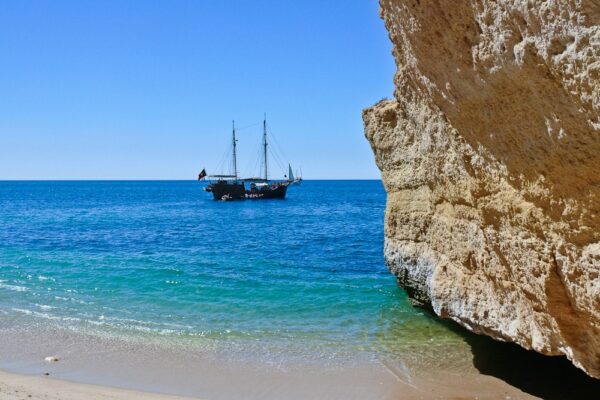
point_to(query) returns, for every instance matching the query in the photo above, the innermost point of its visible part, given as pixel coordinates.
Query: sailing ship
(232, 187)
(291, 178)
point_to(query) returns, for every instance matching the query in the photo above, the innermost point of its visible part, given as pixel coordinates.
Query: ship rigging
(232, 187)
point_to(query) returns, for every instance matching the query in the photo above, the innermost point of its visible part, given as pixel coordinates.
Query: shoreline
(462, 366)
(148, 368)
(100, 368)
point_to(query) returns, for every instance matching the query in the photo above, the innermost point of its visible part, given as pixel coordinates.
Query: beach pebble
(51, 359)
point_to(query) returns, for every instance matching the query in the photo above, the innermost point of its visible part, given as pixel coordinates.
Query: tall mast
(265, 146)
(234, 153)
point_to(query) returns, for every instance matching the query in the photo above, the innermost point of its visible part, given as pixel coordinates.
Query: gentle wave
(14, 288)
(46, 315)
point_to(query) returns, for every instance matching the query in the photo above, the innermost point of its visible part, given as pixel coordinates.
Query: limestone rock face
(490, 155)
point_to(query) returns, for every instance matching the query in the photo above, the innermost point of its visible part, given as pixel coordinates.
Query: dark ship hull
(224, 190)
(276, 191)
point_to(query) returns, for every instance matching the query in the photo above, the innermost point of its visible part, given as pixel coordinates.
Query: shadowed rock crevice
(551, 378)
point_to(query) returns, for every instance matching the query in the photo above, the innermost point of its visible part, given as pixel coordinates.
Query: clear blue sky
(147, 89)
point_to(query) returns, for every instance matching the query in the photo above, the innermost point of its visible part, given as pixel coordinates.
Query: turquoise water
(301, 276)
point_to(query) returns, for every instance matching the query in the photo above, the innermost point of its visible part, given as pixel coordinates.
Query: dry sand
(23, 387)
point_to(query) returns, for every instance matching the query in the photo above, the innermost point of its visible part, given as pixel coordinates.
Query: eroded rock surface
(490, 154)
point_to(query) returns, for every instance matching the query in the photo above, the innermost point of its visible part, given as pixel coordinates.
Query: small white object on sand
(51, 359)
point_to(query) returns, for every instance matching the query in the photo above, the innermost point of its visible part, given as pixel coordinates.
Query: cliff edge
(490, 155)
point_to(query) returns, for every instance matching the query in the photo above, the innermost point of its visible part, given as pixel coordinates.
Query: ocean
(299, 279)
(154, 286)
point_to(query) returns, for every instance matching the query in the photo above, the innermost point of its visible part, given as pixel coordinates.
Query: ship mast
(234, 153)
(265, 146)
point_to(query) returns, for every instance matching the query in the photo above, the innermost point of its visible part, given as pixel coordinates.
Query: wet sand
(105, 368)
(20, 386)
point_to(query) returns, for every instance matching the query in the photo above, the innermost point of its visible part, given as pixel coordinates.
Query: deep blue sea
(302, 276)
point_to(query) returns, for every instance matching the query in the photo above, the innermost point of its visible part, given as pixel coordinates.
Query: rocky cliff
(490, 155)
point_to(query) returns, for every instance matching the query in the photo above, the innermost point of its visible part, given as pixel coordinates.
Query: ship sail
(290, 174)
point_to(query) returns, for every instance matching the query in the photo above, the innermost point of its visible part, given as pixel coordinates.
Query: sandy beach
(115, 368)
(23, 387)
(92, 367)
